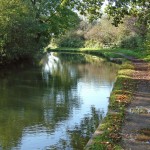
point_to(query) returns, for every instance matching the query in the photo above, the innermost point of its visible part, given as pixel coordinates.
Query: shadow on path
(136, 128)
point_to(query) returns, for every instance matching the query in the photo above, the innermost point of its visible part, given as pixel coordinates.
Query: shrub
(17, 26)
(92, 44)
(147, 41)
(132, 42)
(70, 40)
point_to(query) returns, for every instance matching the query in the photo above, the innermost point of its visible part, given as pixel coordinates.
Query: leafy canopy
(28, 25)
(117, 9)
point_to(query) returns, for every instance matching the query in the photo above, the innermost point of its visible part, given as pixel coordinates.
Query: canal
(56, 105)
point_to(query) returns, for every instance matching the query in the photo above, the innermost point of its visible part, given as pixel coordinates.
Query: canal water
(56, 106)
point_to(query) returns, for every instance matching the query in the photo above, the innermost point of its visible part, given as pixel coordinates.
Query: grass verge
(108, 53)
(120, 97)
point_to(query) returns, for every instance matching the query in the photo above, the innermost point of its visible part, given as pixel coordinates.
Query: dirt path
(136, 129)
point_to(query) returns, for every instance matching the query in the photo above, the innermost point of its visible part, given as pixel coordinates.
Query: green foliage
(17, 36)
(115, 9)
(54, 19)
(88, 8)
(147, 47)
(71, 39)
(104, 34)
(27, 26)
(147, 41)
(92, 44)
(132, 42)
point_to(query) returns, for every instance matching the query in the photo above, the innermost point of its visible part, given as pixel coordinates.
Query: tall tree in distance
(117, 10)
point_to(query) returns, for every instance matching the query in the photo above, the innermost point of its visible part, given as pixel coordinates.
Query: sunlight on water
(50, 64)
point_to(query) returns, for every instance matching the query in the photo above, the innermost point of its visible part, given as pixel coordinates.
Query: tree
(27, 26)
(89, 8)
(53, 18)
(117, 9)
(16, 34)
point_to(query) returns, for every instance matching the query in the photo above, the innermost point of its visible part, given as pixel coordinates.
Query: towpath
(136, 128)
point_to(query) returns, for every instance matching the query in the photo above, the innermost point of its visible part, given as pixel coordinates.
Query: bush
(104, 34)
(17, 27)
(147, 41)
(132, 42)
(71, 40)
(92, 44)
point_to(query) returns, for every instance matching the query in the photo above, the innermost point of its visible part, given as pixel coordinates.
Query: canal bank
(126, 125)
(108, 134)
(133, 73)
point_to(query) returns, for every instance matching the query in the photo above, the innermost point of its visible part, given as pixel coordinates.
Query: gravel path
(136, 128)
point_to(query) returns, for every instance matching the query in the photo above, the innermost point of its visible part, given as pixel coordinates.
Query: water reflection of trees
(83, 132)
(27, 100)
(61, 97)
(94, 67)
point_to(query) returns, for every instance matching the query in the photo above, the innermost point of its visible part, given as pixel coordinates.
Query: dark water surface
(55, 106)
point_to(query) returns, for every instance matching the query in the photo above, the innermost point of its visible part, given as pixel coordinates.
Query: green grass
(108, 52)
(147, 57)
(127, 65)
(125, 72)
(77, 49)
(120, 97)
